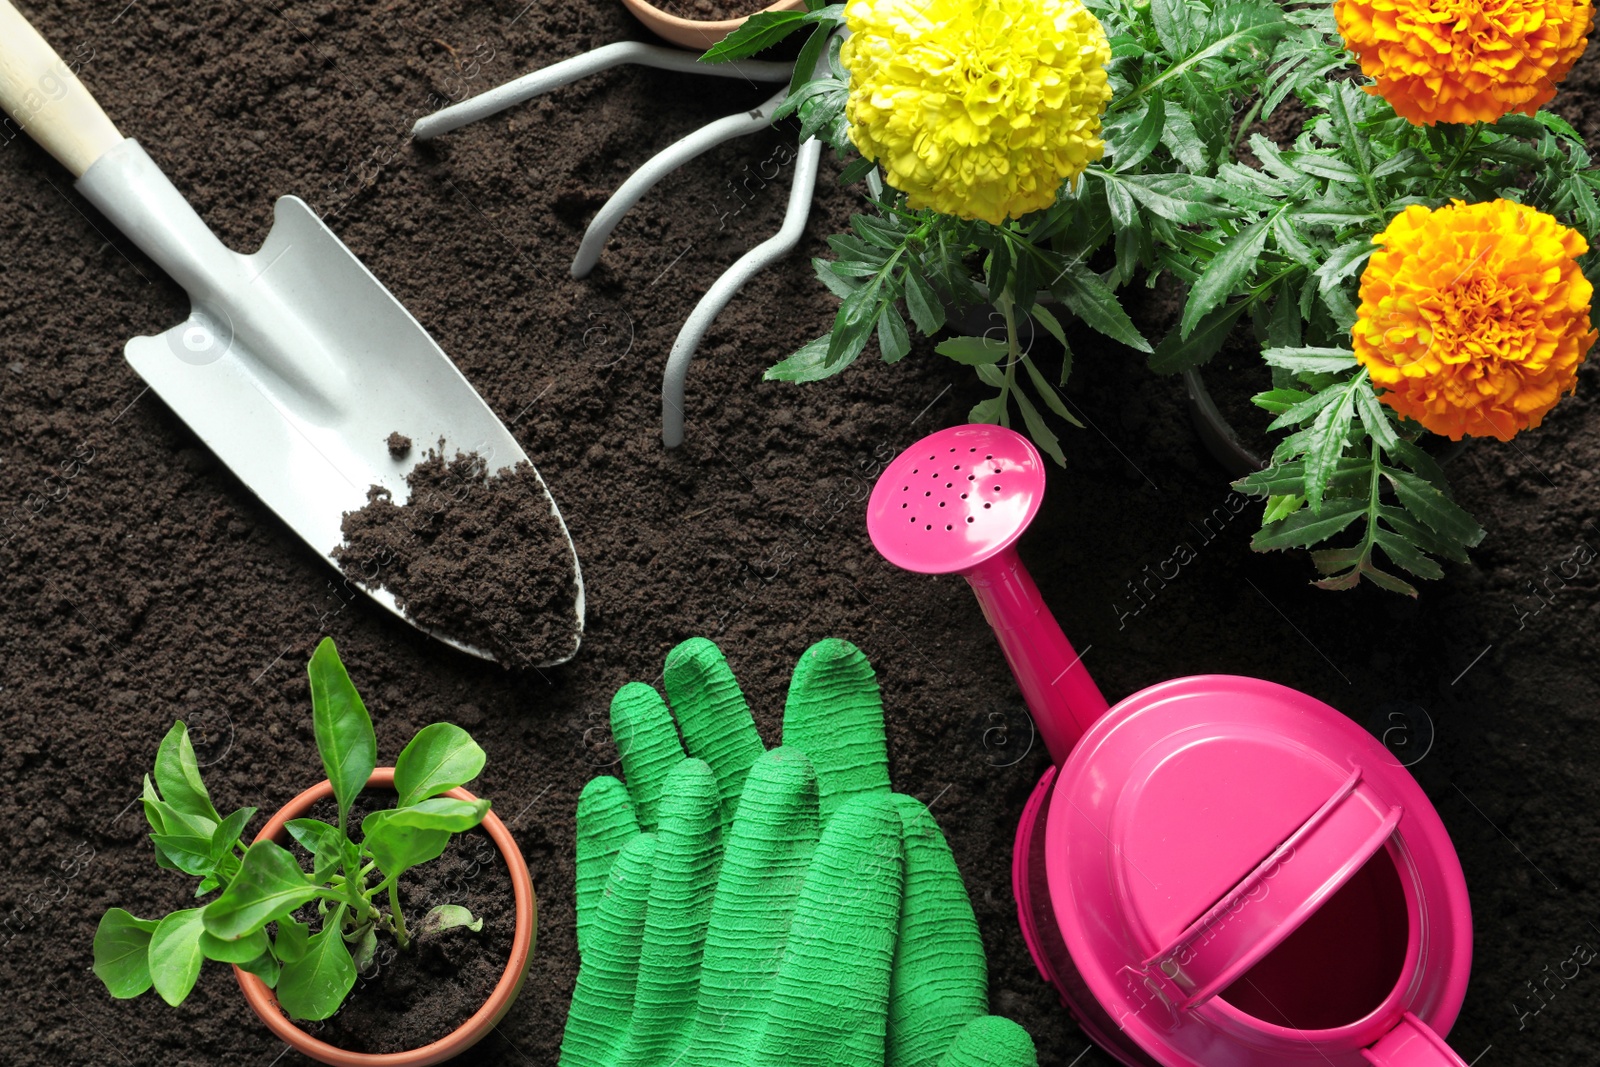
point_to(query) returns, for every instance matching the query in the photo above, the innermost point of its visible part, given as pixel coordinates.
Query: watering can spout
(1062, 698)
(955, 503)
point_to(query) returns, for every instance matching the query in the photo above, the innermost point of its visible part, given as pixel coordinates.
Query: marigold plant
(1272, 234)
(1474, 317)
(1465, 60)
(976, 111)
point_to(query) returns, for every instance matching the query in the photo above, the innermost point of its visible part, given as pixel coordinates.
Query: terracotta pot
(687, 33)
(482, 1021)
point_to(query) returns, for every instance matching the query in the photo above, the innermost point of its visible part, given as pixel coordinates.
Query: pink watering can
(1218, 871)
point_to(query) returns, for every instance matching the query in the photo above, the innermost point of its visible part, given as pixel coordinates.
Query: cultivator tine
(658, 167)
(570, 70)
(723, 289)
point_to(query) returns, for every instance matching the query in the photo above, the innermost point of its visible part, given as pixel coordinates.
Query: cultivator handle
(42, 94)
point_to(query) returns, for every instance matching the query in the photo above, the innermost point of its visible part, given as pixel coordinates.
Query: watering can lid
(1203, 820)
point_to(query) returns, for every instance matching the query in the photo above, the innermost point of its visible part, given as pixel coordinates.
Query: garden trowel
(295, 364)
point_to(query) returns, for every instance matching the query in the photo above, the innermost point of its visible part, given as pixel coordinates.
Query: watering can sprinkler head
(955, 503)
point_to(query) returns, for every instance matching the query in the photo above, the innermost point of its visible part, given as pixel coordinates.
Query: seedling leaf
(343, 728)
(440, 757)
(270, 885)
(451, 917)
(175, 955)
(315, 985)
(178, 775)
(122, 953)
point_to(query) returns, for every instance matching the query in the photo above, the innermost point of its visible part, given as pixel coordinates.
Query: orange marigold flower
(1465, 60)
(1474, 317)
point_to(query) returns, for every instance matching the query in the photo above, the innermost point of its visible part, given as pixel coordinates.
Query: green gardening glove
(758, 969)
(937, 979)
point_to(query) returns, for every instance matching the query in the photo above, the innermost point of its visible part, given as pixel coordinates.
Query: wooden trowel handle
(44, 97)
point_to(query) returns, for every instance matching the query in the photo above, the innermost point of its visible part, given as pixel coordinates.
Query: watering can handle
(42, 94)
(1412, 1043)
(1276, 898)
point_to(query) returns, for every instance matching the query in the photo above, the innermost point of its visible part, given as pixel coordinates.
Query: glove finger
(682, 885)
(940, 981)
(714, 717)
(646, 740)
(763, 868)
(835, 716)
(606, 823)
(602, 1003)
(990, 1041)
(830, 1005)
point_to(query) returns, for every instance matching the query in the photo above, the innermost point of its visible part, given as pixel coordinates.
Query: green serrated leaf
(756, 34)
(1281, 507)
(1048, 394)
(1224, 275)
(926, 309)
(1038, 430)
(855, 170)
(1406, 555)
(1280, 400)
(990, 412)
(1435, 510)
(973, 351)
(1142, 140)
(1093, 301)
(894, 342)
(853, 324)
(1327, 441)
(1310, 360)
(810, 363)
(1375, 419)
(1177, 353)
(1306, 528)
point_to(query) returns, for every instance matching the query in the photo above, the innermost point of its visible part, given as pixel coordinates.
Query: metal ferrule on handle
(1062, 698)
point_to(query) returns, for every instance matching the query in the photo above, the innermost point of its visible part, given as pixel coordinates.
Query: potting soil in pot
(711, 10)
(479, 557)
(408, 999)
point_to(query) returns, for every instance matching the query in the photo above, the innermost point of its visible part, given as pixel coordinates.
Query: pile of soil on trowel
(480, 558)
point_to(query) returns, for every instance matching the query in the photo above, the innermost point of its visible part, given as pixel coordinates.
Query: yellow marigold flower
(1465, 60)
(977, 108)
(1474, 317)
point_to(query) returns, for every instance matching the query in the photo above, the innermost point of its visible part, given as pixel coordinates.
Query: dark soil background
(143, 583)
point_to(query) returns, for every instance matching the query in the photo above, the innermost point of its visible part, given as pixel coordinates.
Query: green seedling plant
(352, 885)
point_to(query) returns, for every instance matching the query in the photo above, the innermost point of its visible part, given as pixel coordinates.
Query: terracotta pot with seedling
(299, 939)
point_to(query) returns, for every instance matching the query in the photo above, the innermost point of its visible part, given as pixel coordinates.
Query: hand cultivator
(666, 161)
